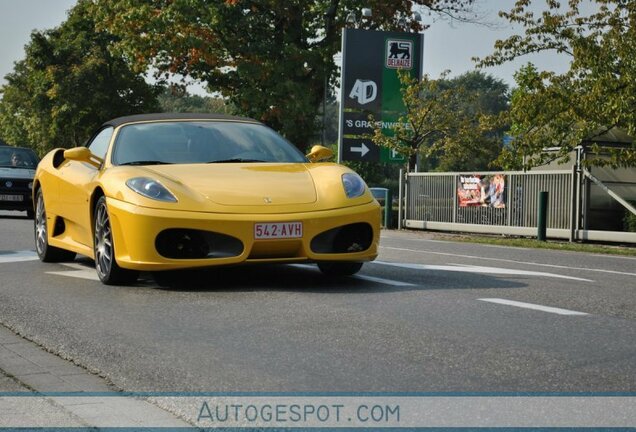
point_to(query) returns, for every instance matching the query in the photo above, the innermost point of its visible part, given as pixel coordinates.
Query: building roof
(614, 136)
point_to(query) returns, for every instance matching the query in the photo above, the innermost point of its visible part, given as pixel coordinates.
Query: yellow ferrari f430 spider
(161, 192)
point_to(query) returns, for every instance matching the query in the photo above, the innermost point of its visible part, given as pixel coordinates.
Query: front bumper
(135, 230)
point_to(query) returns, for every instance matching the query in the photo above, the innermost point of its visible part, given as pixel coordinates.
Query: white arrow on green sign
(362, 149)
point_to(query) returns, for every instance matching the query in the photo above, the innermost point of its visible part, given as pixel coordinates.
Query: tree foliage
(270, 58)
(67, 85)
(176, 99)
(596, 94)
(487, 101)
(452, 124)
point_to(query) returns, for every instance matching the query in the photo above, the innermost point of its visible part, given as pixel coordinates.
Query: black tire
(30, 214)
(340, 268)
(106, 265)
(46, 252)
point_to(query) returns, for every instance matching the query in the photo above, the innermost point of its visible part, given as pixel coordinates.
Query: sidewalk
(28, 373)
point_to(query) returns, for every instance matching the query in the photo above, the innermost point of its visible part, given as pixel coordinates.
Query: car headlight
(353, 185)
(30, 185)
(151, 189)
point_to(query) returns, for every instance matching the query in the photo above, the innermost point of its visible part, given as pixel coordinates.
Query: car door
(75, 188)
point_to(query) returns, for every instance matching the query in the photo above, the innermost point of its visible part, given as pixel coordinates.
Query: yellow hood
(249, 184)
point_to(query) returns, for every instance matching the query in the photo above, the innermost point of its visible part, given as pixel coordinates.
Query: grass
(536, 244)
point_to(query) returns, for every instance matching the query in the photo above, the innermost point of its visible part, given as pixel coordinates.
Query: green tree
(446, 122)
(596, 94)
(67, 85)
(487, 102)
(269, 58)
(175, 98)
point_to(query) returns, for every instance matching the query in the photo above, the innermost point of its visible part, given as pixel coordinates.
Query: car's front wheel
(106, 265)
(340, 268)
(46, 252)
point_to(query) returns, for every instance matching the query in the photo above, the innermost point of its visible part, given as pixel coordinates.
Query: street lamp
(402, 23)
(352, 18)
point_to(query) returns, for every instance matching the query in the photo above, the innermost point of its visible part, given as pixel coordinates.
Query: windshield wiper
(146, 162)
(236, 160)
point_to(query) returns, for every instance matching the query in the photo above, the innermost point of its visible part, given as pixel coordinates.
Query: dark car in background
(17, 169)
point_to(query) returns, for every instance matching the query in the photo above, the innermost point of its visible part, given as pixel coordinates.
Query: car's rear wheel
(106, 265)
(46, 252)
(340, 268)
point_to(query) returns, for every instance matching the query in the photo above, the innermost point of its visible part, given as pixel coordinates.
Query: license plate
(282, 230)
(11, 198)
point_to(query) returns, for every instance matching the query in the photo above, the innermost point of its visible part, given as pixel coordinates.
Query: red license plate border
(278, 230)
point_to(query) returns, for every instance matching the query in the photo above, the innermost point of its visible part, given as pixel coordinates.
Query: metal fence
(432, 197)
(430, 201)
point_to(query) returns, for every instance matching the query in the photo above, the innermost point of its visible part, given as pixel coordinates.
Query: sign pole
(343, 41)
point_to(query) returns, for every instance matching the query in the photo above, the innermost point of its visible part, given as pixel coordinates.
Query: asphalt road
(428, 316)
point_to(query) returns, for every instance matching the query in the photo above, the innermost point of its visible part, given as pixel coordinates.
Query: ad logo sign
(364, 91)
(399, 54)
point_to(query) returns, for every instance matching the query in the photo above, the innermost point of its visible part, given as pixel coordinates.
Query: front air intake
(345, 239)
(178, 243)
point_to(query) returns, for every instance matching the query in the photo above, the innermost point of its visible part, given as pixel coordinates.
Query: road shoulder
(34, 384)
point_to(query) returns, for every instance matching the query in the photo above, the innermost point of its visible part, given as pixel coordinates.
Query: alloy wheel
(103, 241)
(40, 226)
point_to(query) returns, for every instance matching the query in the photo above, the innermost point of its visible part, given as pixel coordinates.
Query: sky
(447, 45)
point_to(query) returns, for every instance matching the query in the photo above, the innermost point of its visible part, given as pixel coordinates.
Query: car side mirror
(319, 153)
(83, 154)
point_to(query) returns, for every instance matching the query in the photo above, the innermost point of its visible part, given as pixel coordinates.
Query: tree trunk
(412, 162)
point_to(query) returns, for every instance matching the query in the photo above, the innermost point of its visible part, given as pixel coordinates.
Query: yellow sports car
(173, 191)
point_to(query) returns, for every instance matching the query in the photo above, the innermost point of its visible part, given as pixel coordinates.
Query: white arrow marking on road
(361, 277)
(363, 149)
(79, 271)
(532, 306)
(18, 256)
(84, 271)
(477, 269)
(383, 281)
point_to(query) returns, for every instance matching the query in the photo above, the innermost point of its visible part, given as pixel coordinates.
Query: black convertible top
(173, 116)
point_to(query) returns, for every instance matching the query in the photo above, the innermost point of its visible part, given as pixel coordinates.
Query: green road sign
(371, 90)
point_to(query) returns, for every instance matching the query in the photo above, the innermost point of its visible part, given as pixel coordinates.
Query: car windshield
(15, 157)
(190, 142)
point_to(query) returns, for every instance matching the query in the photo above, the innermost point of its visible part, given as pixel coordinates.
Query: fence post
(455, 183)
(542, 216)
(388, 209)
(573, 204)
(509, 199)
(401, 203)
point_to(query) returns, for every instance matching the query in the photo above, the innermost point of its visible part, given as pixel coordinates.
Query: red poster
(481, 190)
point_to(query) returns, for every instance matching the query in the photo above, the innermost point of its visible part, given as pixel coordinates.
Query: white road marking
(478, 269)
(18, 256)
(362, 277)
(532, 306)
(383, 281)
(397, 237)
(510, 261)
(79, 271)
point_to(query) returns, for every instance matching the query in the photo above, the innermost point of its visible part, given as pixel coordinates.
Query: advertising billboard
(481, 190)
